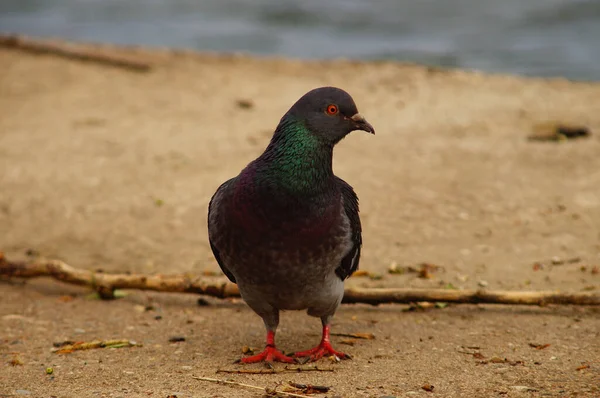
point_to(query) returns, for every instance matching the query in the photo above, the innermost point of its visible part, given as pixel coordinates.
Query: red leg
(323, 349)
(270, 353)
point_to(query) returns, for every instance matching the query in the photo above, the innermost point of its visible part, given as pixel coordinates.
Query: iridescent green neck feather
(296, 159)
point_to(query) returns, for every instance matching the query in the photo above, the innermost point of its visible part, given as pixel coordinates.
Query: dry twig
(309, 388)
(287, 369)
(268, 390)
(392, 295)
(366, 336)
(71, 51)
(68, 348)
(106, 284)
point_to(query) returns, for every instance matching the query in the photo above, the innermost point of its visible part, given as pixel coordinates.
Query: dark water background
(528, 37)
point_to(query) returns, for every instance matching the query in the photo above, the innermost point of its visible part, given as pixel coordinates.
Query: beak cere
(361, 124)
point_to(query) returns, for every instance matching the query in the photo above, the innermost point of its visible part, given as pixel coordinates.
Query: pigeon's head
(330, 113)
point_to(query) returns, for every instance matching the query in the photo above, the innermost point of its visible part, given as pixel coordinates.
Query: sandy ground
(107, 168)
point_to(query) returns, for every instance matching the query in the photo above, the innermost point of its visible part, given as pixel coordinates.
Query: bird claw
(301, 360)
(320, 351)
(270, 354)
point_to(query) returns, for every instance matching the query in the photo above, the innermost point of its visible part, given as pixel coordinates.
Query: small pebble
(245, 104)
(523, 388)
(79, 331)
(23, 392)
(176, 339)
(557, 260)
(202, 302)
(428, 387)
(482, 283)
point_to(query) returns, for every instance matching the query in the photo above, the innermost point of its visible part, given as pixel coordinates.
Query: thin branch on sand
(287, 369)
(68, 348)
(482, 296)
(106, 284)
(71, 51)
(269, 391)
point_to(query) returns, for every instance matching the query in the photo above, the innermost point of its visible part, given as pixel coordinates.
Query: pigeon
(286, 229)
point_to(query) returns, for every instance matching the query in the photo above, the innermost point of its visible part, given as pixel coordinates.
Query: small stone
(32, 253)
(428, 387)
(524, 388)
(557, 260)
(79, 330)
(395, 268)
(202, 302)
(482, 283)
(186, 367)
(23, 392)
(176, 339)
(245, 104)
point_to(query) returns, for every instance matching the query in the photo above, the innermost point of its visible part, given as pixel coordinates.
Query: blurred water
(529, 37)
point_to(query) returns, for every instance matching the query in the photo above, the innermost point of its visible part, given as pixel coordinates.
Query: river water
(527, 37)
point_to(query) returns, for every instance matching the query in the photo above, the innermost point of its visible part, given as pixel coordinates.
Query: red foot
(270, 354)
(320, 351)
(323, 349)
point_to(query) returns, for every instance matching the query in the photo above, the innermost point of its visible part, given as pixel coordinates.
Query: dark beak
(361, 124)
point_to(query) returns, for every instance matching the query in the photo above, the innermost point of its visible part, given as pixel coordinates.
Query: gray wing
(350, 262)
(214, 207)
